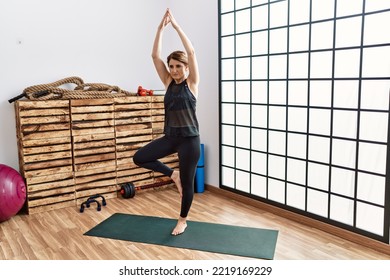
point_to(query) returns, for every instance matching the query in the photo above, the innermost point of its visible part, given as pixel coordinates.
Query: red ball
(12, 192)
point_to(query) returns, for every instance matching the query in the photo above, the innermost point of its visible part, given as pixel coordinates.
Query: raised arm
(193, 77)
(159, 64)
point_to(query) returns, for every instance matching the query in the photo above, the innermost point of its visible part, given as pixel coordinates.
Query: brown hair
(179, 56)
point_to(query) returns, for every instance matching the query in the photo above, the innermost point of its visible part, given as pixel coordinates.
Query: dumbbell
(127, 190)
(144, 92)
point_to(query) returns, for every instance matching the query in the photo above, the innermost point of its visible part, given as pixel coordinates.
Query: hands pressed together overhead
(168, 19)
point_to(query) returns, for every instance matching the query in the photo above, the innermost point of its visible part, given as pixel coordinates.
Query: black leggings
(188, 149)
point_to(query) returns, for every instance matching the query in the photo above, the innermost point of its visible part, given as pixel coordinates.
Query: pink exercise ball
(12, 192)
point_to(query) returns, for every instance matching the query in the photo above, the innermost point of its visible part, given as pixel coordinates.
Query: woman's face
(178, 70)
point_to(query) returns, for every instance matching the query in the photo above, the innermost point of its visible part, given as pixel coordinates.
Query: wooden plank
(94, 158)
(132, 99)
(50, 185)
(132, 106)
(127, 121)
(47, 156)
(46, 149)
(132, 114)
(92, 101)
(48, 171)
(134, 171)
(48, 164)
(91, 109)
(104, 169)
(27, 104)
(51, 192)
(92, 116)
(134, 139)
(93, 165)
(45, 119)
(28, 129)
(94, 137)
(95, 177)
(128, 133)
(51, 200)
(49, 178)
(44, 112)
(45, 135)
(46, 141)
(93, 131)
(84, 152)
(126, 155)
(96, 184)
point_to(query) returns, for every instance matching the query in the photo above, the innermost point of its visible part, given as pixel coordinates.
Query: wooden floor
(58, 235)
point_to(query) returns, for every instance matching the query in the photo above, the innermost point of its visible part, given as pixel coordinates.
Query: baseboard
(342, 233)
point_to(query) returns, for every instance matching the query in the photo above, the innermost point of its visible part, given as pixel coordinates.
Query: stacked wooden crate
(72, 149)
(94, 152)
(45, 153)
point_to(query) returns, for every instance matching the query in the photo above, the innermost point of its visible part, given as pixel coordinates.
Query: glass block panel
(228, 177)
(260, 43)
(374, 126)
(227, 6)
(371, 188)
(297, 119)
(319, 121)
(321, 93)
(243, 181)
(243, 4)
(276, 190)
(227, 69)
(243, 68)
(243, 21)
(260, 18)
(297, 93)
(243, 92)
(348, 7)
(227, 24)
(372, 157)
(318, 176)
(259, 116)
(370, 218)
(322, 9)
(276, 167)
(342, 181)
(277, 142)
(227, 91)
(278, 66)
(347, 64)
(228, 135)
(348, 32)
(228, 157)
(317, 202)
(298, 65)
(322, 35)
(259, 185)
(243, 137)
(299, 38)
(277, 92)
(296, 145)
(319, 148)
(376, 5)
(259, 163)
(259, 139)
(259, 67)
(243, 114)
(321, 64)
(375, 94)
(299, 11)
(296, 196)
(227, 47)
(243, 45)
(278, 14)
(277, 117)
(278, 40)
(346, 94)
(344, 153)
(228, 113)
(259, 92)
(341, 209)
(242, 159)
(296, 171)
(374, 31)
(376, 62)
(345, 123)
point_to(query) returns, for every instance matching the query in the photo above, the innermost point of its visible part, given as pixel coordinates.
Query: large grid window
(304, 108)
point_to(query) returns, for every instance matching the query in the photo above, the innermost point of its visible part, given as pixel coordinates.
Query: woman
(181, 129)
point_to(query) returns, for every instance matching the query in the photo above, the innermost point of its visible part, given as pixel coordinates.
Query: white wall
(107, 41)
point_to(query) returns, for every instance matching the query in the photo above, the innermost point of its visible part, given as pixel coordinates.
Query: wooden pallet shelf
(72, 149)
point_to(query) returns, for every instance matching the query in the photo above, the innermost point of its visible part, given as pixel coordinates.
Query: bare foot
(176, 178)
(180, 226)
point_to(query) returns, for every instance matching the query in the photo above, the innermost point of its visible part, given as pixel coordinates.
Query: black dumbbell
(127, 190)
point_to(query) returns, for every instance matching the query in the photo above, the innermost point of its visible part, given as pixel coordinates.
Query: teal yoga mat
(210, 237)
